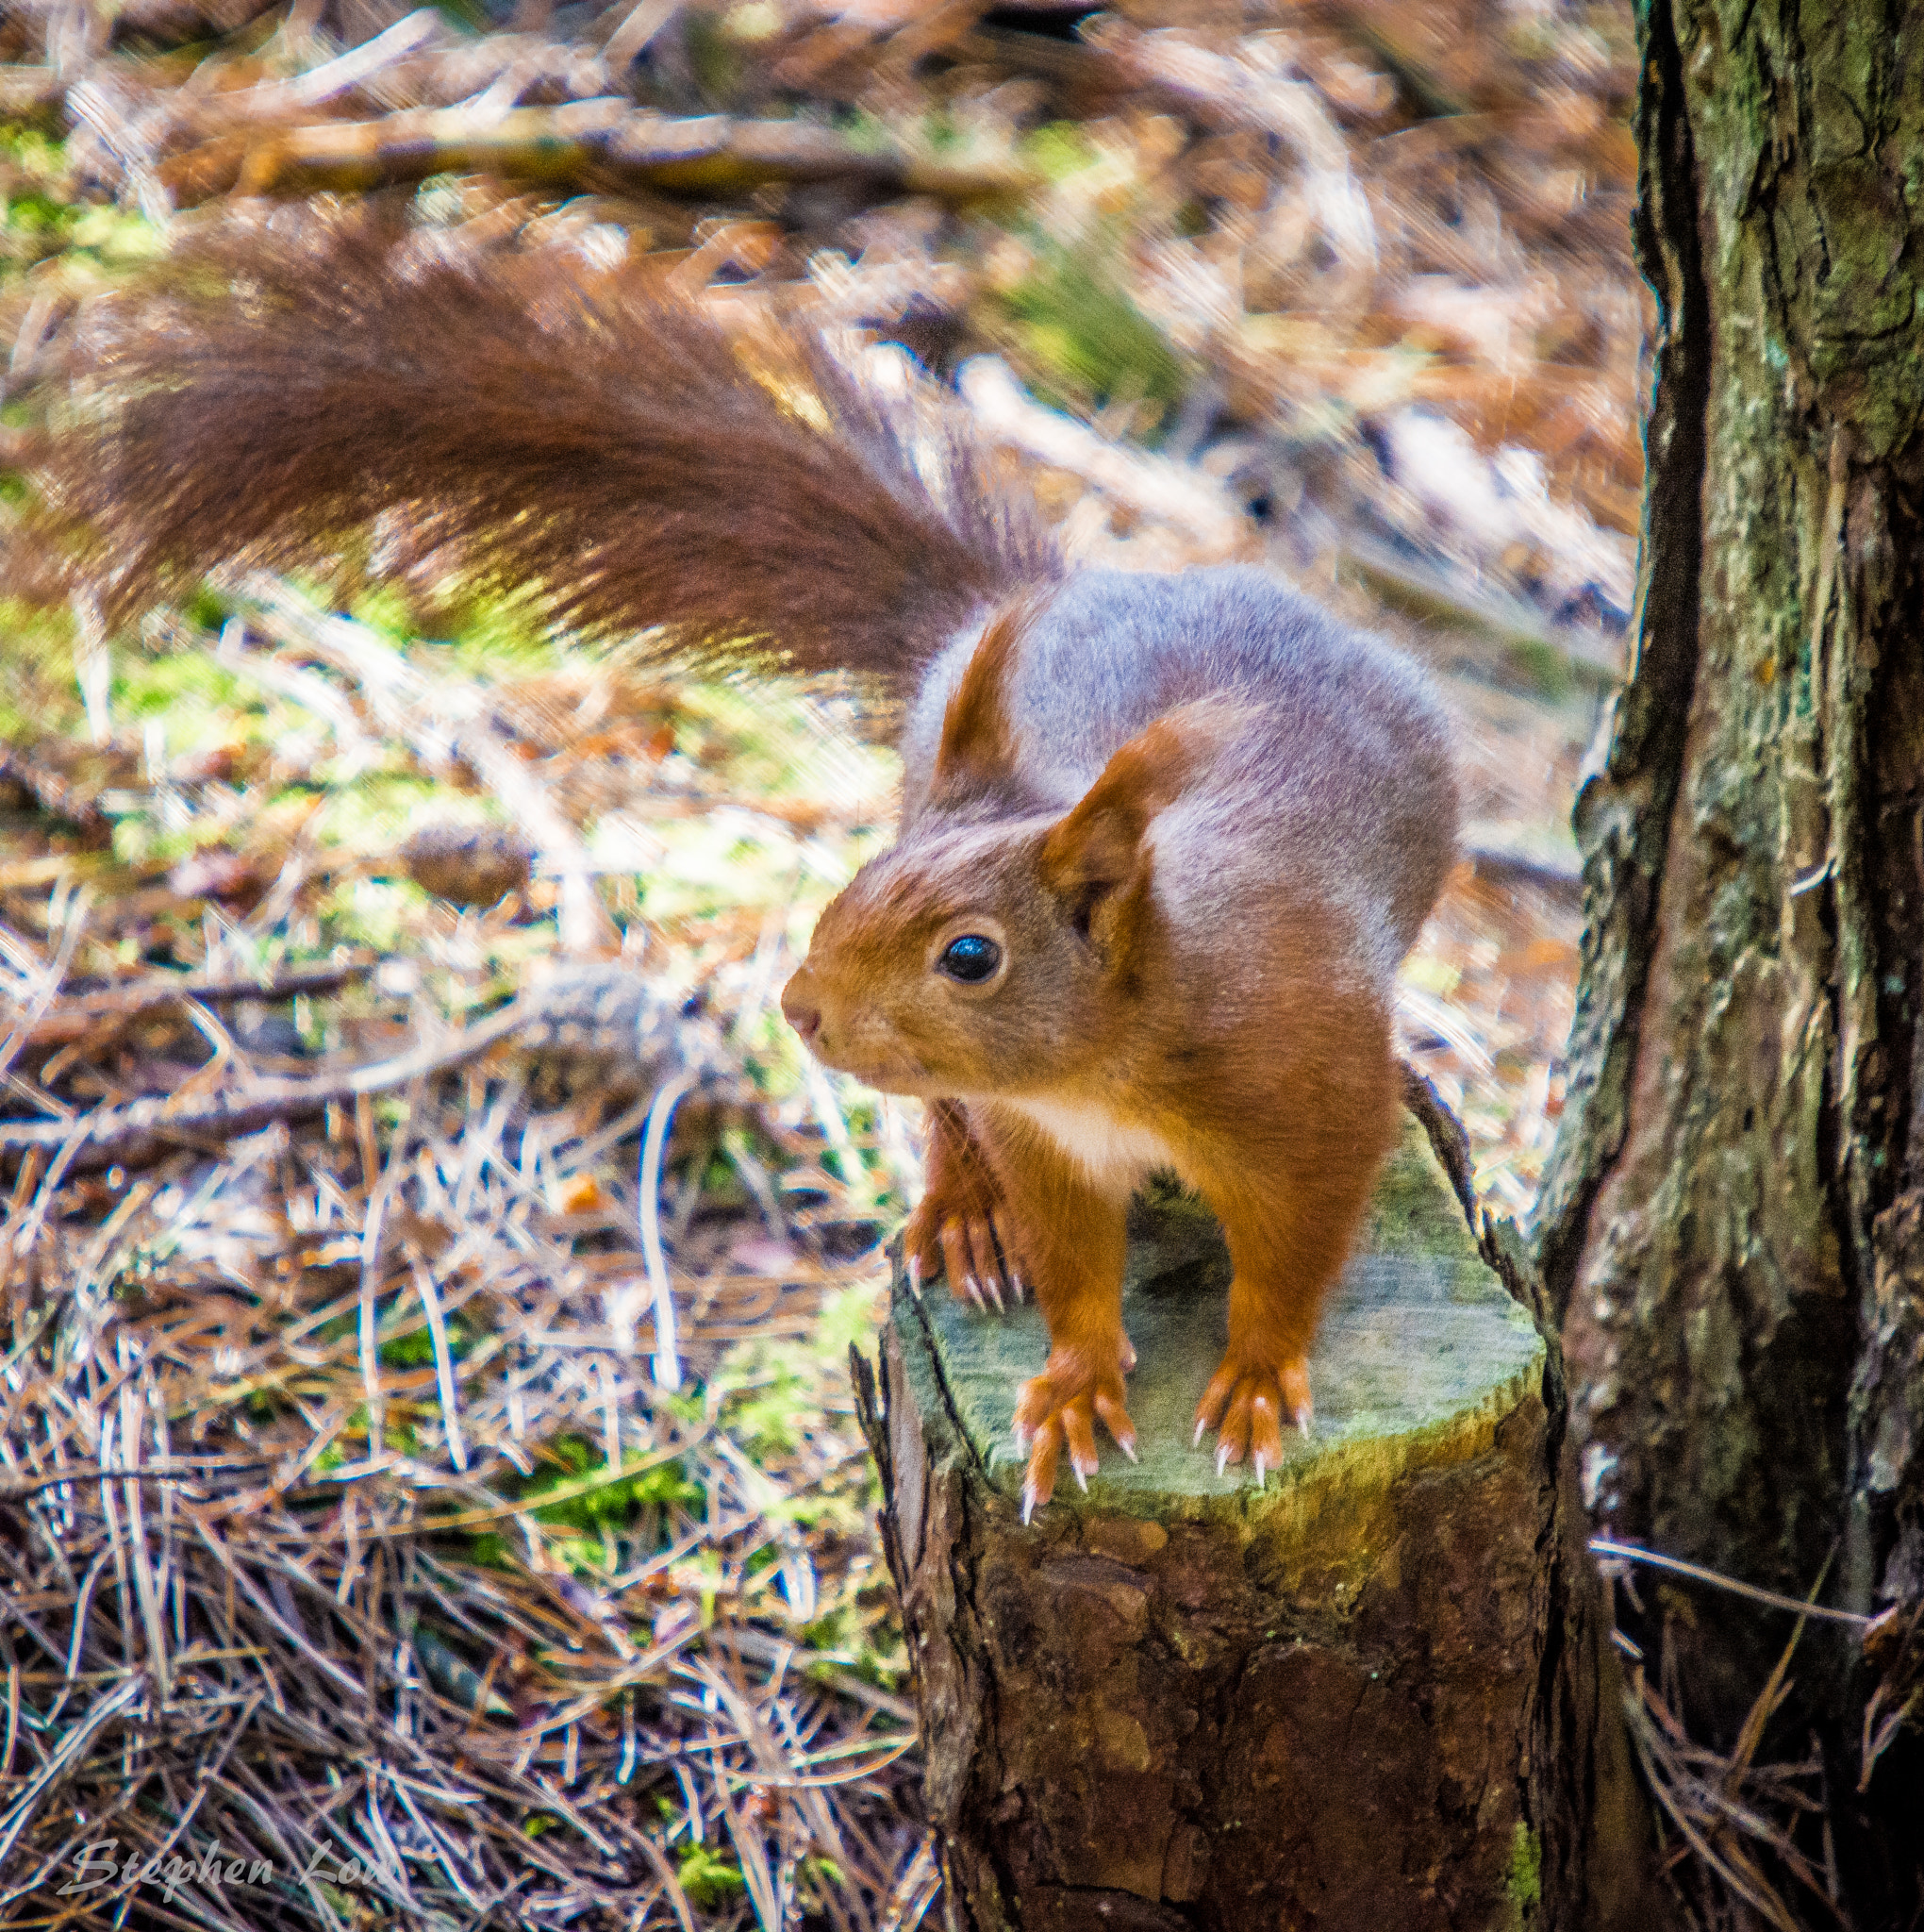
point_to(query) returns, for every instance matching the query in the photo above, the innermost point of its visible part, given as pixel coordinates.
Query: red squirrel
(1165, 839)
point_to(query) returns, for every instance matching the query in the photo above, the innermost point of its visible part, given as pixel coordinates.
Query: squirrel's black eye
(972, 959)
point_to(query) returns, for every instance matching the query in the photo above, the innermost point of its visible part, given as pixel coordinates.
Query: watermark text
(101, 1864)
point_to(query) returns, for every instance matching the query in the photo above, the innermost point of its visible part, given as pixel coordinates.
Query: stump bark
(1179, 1703)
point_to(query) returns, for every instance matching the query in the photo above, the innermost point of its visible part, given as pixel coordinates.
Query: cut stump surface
(1179, 1702)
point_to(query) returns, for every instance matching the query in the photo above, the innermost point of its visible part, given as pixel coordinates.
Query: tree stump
(1178, 1701)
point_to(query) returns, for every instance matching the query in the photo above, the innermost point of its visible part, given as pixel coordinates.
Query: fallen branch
(1437, 593)
(72, 1017)
(601, 143)
(181, 1468)
(124, 1131)
(275, 99)
(1500, 852)
(1152, 485)
(605, 1013)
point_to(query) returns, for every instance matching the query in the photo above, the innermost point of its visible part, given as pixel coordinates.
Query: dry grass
(351, 1512)
(343, 1521)
(1747, 1836)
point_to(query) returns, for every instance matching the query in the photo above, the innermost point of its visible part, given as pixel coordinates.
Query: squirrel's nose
(804, 1019)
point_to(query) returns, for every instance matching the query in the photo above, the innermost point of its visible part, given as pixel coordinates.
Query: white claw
(973, 1293)
(1127, 1445)
(1259, 1469)
(1017, 1287)
(1196, 1440)
(1025, 1436)
(1081, 1482)
(1221, 1458)
(1305, 1416)
(1028, 1503)
(994, 1292)
(915, 1276)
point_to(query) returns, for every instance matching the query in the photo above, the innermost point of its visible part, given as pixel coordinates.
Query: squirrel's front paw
(1246, 1404)
(1058, 1408)
(970, 1237)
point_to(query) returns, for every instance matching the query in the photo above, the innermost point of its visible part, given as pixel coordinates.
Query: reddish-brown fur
(590, 436)
(1279, 1121)
(1201, 822)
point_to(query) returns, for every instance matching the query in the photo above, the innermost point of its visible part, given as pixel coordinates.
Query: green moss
(573, 1458)
(1523, 1881)
(398, 1436)
(189, 689)
(416, 1349)
(115, 237)
(41, 217)
(709, 1880)
(207, 609)
(1086, 342)
(821, 1872)
(714, 57)
(768, 1421)
(1414, 1211)
(38, 692)
(384, 607)
(1060, 149)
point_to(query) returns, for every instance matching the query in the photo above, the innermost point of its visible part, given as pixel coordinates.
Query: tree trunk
(1368, 1696)
(1733, 1227)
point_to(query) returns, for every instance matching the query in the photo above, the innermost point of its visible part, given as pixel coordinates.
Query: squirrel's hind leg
(964, 1227)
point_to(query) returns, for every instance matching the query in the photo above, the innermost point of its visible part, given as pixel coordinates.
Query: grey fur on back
(1350, 783)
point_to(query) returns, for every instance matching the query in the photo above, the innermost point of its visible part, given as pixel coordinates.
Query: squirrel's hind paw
(1247, 1406)
(1058, 1411)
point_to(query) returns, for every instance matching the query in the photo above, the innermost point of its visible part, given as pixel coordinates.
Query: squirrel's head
(999, 954)
(947, 966)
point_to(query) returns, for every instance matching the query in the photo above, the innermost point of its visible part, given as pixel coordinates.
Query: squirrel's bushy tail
(605, 447)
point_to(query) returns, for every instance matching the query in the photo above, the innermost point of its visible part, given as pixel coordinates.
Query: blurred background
(463, 1561)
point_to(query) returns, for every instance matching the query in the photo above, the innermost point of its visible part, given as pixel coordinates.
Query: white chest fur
(1116, 1153)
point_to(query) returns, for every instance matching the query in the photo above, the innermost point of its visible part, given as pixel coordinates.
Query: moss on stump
(1178, 1701)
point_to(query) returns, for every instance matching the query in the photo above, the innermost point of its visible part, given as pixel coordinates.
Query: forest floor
(430, 1475)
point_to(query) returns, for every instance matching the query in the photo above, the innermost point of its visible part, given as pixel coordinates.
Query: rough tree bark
(1734, 1226)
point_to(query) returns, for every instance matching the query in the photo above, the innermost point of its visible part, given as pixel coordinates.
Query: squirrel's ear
(977, 747)
(1097, 851)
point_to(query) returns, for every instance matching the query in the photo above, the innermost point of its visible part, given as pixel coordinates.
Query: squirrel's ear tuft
(1090, 855)
(978, 749)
